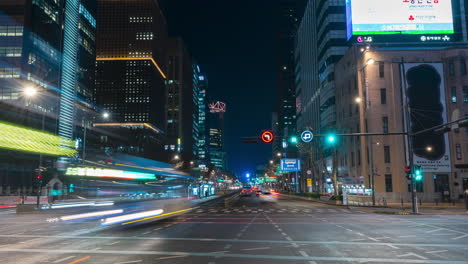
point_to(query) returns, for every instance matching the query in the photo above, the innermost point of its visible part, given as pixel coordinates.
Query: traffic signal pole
(409, 139)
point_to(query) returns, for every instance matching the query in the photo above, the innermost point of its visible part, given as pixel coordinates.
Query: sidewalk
(395, 208)
(404, 211)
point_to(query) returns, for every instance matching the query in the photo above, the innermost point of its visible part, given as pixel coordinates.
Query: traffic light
(331, 139)
(293, 140)
(418, 174)
(39, 177)
(408, 172)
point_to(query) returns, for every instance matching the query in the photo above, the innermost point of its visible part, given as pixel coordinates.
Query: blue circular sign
(307, 136)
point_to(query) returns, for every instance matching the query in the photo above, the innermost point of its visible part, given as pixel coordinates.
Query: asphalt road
(254, 230)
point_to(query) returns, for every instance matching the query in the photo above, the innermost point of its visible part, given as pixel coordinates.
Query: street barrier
(8, 200)
(33, 200)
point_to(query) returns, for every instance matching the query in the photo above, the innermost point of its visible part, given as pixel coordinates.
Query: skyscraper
(287, 16)
(203, 111)
(43, 46)
(321, 42)
(182, 93)
(216, 149)
(130, 75)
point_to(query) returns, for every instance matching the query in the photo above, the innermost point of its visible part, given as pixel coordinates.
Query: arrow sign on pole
(307, 136)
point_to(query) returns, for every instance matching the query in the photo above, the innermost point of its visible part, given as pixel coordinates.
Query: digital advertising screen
(370, 19)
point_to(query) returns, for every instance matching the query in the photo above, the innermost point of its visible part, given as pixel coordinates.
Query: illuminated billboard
(108, 173)
(404, 17)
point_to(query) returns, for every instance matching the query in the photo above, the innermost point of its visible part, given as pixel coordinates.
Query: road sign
(307, 136)
(309, 182)
(267, 136)
(290, 164)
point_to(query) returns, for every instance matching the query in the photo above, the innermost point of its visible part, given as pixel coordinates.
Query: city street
(253, 230)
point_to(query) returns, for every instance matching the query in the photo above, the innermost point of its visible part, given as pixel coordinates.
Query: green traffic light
(418, 175)
(293, 140)
(331, 139)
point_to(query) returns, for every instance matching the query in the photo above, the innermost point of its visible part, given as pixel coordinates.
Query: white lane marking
(218, 252)
(407, 236)
(181, 256)
(373, 239)
(435, 230)
(452, 230)
(312, 262)
(146, 233)
(113, 243)
(381, 237)
(96, 249)
(436, 251)
(284, 234)
(392, 246)
(30, 240)
(131, 261)
(256, 248)
(295, 245)
(303, 253)
(460, 237)
(63, 259)
(412, 254)
(288, 238)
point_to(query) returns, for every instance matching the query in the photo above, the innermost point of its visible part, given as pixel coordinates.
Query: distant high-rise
(217, 153)
(287, 17)
(203, 111)
(182, 100)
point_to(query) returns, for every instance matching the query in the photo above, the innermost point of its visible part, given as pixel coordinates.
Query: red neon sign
(267, 137)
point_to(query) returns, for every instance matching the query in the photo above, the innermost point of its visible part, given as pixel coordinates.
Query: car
(246, 192)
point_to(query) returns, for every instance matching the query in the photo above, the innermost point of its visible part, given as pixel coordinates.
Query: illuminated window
(9, 73)
(144, 36)
(10, 51)
(88, 16)
(11, 31)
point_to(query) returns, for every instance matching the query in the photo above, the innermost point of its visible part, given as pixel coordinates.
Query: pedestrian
(466, 199)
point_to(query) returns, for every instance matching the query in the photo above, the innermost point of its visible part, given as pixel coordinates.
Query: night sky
(233, 43)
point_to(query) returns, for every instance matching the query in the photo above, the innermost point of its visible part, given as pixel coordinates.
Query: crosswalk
(253, 210)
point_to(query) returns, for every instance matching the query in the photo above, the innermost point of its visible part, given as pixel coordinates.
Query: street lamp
(278, 154)
(105, 115)
(271, 161)
(429, 148)
(358, 100)
(176, 157)
(370, 61)
(30, 91)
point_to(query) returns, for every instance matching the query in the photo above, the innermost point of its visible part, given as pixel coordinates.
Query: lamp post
(31, 92)
(370, 152)
(105, 115)
(407, 116)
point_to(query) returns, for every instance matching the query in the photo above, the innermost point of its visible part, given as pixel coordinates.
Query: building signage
(424, 92)
(373, 20)
(288, 165)
(96, 172)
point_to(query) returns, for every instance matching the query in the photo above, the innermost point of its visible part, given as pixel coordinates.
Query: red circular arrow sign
(267, 136)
